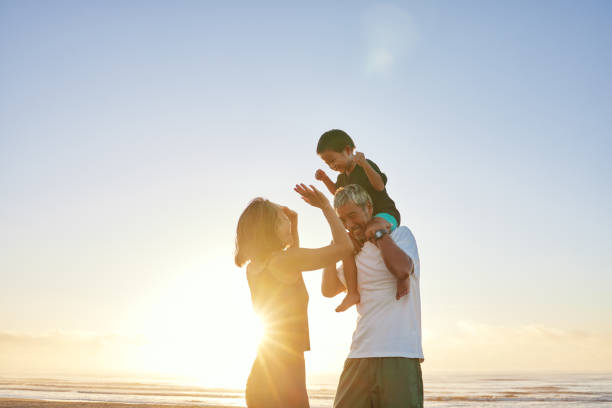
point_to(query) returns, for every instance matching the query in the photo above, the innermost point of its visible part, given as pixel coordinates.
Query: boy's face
(338, 161)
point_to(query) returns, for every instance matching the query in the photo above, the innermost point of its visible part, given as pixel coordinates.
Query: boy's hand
(312, 196)
(359, 158)
(320, 175)
(375, 224)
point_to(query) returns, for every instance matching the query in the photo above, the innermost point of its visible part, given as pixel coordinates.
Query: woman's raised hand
(311, 195)
(292, 215)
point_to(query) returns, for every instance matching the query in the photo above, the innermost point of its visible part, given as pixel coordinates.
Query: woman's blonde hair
(256, 235)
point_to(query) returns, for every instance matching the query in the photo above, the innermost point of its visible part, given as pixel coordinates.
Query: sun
(201, 334)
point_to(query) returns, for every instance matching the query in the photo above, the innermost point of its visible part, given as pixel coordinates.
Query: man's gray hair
(354, 193)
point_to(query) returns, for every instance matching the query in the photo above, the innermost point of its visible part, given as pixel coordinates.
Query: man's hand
(359, 158)
(320, 175)
(312, 196)
(375, 224)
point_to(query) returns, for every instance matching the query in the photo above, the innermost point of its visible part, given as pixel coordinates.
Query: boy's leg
(400, 383)
(403, 288)
(356, 384)
(352, 292)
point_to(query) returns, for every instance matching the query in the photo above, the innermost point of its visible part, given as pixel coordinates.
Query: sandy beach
(443, 390)
(32, 403)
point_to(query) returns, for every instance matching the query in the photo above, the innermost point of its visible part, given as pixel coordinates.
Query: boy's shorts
(389, 218)
(380, 382)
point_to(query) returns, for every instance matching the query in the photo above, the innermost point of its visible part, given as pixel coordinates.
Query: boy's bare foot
(349, 300)
(403, 287)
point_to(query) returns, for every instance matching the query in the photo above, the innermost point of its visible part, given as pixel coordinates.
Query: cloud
(390, 33)
(477, 346)
(214, 355)
(464, 346)
(64, 352)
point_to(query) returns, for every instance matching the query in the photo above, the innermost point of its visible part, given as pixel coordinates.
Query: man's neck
(360, 242)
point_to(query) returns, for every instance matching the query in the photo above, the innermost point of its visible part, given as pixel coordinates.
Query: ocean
(441, 390)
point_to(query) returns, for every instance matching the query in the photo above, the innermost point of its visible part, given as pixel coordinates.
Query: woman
(267, 238)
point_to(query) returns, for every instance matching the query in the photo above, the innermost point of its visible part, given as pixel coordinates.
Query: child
(336, 148)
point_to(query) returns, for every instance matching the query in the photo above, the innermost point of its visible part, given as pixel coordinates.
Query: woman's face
(283, 228)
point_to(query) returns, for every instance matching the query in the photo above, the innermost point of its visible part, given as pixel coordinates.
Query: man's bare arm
(396, 260)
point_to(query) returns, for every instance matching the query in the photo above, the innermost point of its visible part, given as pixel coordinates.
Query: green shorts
(380, 382)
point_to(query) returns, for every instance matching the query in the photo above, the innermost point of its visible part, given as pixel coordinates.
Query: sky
(133, 134)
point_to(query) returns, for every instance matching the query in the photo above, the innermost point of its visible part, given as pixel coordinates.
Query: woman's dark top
(283, 308)
(380, 199)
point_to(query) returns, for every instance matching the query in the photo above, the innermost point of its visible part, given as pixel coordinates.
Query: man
(383, 368)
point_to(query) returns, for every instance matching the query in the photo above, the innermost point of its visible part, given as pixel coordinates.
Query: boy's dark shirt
(382, 201)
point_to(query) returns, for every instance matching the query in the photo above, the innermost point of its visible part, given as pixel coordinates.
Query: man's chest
(372, 273)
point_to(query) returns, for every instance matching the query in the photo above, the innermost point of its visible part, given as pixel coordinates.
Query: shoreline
(37, 403)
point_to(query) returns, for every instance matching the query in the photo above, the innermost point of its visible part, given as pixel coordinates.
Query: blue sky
(133, 134)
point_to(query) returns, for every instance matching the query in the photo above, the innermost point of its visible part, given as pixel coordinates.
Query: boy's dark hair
(335, 140)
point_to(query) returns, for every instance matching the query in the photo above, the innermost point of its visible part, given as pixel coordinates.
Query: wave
(462, 390)
(493, 398)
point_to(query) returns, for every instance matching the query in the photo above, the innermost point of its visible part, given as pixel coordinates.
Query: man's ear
(370, 209)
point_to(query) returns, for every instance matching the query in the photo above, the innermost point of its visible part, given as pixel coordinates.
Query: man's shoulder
(402, 232)
(403, 238)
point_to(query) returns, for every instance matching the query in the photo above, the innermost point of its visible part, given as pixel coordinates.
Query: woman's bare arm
(296, 260)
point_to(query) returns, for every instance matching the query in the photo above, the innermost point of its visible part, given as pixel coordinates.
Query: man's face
(355, 219)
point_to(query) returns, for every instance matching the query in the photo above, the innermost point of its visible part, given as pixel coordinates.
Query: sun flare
(192, 330)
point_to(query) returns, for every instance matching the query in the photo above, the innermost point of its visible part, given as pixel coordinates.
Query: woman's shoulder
(257, 267)
(278, 266)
